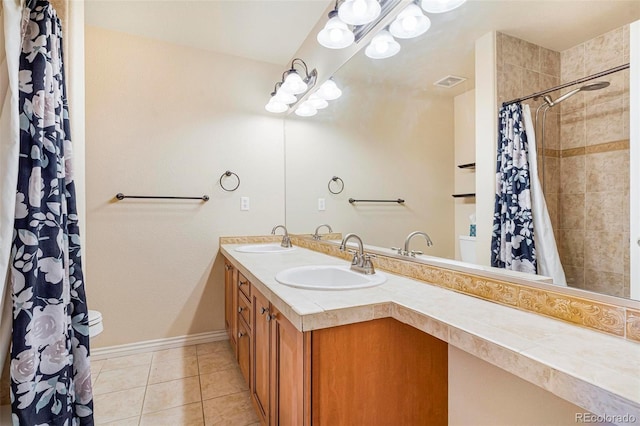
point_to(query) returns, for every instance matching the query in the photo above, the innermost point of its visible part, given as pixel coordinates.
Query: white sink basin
(328, 277)
(264, 248)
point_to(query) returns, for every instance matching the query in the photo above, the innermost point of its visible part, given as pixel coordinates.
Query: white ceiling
(263, 30)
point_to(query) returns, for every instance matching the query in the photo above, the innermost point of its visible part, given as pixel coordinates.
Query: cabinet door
(230, 306)
(287, 372)
(260, 355)
(244, 345)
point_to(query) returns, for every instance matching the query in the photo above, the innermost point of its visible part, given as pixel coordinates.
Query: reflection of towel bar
(399, 201)
(121, 196)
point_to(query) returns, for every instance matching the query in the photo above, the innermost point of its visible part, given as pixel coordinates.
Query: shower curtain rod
(562, 86)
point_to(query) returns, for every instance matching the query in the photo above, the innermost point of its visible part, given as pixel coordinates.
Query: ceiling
(263, 30)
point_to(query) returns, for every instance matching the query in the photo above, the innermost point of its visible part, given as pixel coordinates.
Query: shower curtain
(546, 250)
(512, 243)
(50, 374)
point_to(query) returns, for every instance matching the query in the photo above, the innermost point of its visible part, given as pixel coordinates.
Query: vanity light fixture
(441, 6)
(409, 23)
(306, 109)
(382, 45)
(317, 102)
(335, 34)
(292, 84)
(359, 12)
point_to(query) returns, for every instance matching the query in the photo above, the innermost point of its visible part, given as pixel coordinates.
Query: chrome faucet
(412, 253)
(286, 241)
(361, 262)
(316, 236)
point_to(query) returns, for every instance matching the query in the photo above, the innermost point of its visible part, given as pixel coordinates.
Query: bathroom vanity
(379, 355)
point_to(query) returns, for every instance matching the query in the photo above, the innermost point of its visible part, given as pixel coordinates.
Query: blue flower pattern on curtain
(512, 243)
(50, 372)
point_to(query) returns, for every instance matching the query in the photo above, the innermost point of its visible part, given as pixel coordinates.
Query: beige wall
(384, 144)
(164, 119)
(481, 394)
(465, 153)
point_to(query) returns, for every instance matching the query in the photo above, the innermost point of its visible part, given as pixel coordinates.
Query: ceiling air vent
(449, 81)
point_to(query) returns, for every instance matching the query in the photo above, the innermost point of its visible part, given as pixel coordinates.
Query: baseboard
(157, 345)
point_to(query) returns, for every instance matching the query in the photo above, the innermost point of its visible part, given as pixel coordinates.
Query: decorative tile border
(611, 319)
(590, 149)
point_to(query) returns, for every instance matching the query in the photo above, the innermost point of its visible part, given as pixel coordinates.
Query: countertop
(593, 370)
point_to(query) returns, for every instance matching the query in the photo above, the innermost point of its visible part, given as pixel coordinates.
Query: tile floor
(194, 385)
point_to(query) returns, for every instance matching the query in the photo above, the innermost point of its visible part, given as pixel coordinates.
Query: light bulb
(409, 23)
(306, 110)
(382, 46)
(441, 6)
(329, 90)
(293, 83)
(276, 107)
(359, 12)
(335, 34)
(317, 102)
(283, 97)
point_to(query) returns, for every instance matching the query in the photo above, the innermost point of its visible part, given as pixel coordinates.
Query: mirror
(393, 134)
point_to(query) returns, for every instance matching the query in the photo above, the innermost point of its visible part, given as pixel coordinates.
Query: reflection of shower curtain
(10, 39)
(546, 250)
(50, 374)
(512, 243)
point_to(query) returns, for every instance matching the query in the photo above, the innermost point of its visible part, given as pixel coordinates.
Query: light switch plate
(321, 206)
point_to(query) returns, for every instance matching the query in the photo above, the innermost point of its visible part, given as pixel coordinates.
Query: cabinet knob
(271, 317)
(240, 283)
(227, 266)
(263, 310)
(239, 309)
(240, 334)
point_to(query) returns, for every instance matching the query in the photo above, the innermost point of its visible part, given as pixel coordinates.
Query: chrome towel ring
(339, 184)
(229, 174)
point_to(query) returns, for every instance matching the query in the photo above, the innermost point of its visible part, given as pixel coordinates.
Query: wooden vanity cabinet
(230, 303)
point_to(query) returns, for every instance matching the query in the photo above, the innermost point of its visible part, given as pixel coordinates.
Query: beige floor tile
(220, 383)
(126, 361)
(118, 405)
(171, 394)
(233, 409)
(176, 353)
(173, 369)
(209, 348)
(96, 366)
(216, 361)
(132, 421)
(186, 415)
(121, 379)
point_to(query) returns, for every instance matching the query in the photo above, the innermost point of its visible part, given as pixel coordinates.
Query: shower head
(597, 85)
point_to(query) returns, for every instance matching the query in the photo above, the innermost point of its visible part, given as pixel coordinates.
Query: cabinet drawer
(244, 308)
(244, 285)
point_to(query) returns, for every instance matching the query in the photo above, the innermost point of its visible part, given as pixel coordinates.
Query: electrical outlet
(321, 206)
(244, 203)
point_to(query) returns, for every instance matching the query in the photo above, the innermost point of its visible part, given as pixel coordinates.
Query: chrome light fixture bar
(293, 84)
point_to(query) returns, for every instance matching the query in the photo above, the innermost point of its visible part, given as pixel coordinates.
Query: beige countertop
(598, 372)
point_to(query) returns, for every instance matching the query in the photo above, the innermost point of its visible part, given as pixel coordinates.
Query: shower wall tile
(601, 51)
(573, 129)
(572, 175)
(607, 171)
(511, 82)
(627, 287)
(604, 251)
(551, 199)
(604, 122)
(618, 88)
(552, 131)
(551, 174)
(626, 38)
(572, 247)
(531, 82)
(574, 276)
(549, 62)
(605, 211)
(572, 212)
(604, 282)
(572, 63)
(520, 52)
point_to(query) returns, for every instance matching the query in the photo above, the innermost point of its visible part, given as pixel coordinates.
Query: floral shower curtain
(512, 243)
(50, 374)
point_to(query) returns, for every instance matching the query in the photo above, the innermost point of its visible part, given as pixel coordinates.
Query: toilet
(467, 248)
(95, 323)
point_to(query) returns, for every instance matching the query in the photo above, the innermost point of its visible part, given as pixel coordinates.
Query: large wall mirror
(394, 134)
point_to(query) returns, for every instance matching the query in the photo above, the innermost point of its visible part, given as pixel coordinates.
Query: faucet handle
(397, 249)
(367, 265)
(416, 252)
